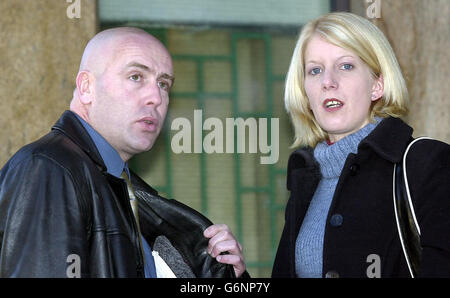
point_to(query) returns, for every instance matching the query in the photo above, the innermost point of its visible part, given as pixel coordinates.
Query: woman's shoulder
(429, 150)
(301, 158)
(302, 162)
(428, 169)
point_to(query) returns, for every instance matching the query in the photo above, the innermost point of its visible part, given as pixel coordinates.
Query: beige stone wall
(419, 33)
(40, 51)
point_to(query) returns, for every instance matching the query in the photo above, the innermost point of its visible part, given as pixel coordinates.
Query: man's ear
(85, 86)
(378, 88)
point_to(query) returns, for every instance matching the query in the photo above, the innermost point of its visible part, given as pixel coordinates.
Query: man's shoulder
(54, 147)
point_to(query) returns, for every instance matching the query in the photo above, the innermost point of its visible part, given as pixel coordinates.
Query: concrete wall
(419, 34)
(40, 51)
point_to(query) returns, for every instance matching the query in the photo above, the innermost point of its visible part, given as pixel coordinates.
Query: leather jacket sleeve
(183, 226)
(41, 233)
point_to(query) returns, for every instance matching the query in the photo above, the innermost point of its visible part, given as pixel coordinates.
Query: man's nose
(154, 96)
(329, 80)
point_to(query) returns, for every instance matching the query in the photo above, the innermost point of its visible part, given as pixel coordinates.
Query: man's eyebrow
(146, 68)
(138, 65)
(167, 77)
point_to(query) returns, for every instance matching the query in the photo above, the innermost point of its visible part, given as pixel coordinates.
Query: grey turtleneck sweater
(309, 244)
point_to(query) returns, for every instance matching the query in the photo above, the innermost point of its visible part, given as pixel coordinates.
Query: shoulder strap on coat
(407, 224)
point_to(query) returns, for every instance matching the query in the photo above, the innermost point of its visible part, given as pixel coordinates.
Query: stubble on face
(120, 101)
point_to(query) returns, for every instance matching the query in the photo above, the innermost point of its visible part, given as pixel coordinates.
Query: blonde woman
(345, 95)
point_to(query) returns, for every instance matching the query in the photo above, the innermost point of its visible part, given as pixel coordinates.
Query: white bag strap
(406, 180)
(410, 205)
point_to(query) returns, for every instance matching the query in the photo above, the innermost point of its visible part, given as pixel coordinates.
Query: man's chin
(137, 144)
(143, 147)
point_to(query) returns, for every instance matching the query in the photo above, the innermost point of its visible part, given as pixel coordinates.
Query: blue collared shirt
(115, 166)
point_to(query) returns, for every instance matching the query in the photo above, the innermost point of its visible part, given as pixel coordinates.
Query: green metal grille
(275, 172)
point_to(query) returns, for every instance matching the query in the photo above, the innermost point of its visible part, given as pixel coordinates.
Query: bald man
(69, 204)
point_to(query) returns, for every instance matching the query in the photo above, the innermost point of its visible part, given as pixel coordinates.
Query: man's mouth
(149, 123)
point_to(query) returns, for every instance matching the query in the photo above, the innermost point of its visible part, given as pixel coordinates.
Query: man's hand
(222, 240)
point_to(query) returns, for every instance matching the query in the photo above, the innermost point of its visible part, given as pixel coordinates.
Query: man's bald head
(101, 49)
(123, 88)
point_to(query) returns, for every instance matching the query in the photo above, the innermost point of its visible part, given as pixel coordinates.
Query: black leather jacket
(57, 201)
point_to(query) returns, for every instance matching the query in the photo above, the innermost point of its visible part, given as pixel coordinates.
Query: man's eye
(136, 77)
(346, 66)
(163, 85)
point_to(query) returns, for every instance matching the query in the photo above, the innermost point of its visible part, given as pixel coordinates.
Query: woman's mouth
(332, 104)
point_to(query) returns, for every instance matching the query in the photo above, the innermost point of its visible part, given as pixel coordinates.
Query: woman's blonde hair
(358, 35)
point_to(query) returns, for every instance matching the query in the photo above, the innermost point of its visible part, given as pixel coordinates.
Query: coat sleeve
(41, 231)
(303, 176)
(428, 169)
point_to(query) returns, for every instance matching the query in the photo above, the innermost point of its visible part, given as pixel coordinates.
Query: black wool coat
(361, 238)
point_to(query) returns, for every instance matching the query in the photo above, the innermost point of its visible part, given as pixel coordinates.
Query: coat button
(336, 220)
(354, 168)
(332, 274)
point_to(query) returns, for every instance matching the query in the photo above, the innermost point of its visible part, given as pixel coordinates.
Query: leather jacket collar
(69, 125)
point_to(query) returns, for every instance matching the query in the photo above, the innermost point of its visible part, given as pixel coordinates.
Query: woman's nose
(329, 80)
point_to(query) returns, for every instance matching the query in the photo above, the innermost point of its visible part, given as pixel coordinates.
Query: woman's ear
(378, 88)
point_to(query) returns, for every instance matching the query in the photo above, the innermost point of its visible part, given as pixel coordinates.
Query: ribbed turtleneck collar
(332, 157)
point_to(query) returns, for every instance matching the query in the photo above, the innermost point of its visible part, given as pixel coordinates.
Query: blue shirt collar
(114, 164)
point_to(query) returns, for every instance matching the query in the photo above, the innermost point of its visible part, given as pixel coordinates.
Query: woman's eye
(315, 71)
(136, 77)
(347, 66)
